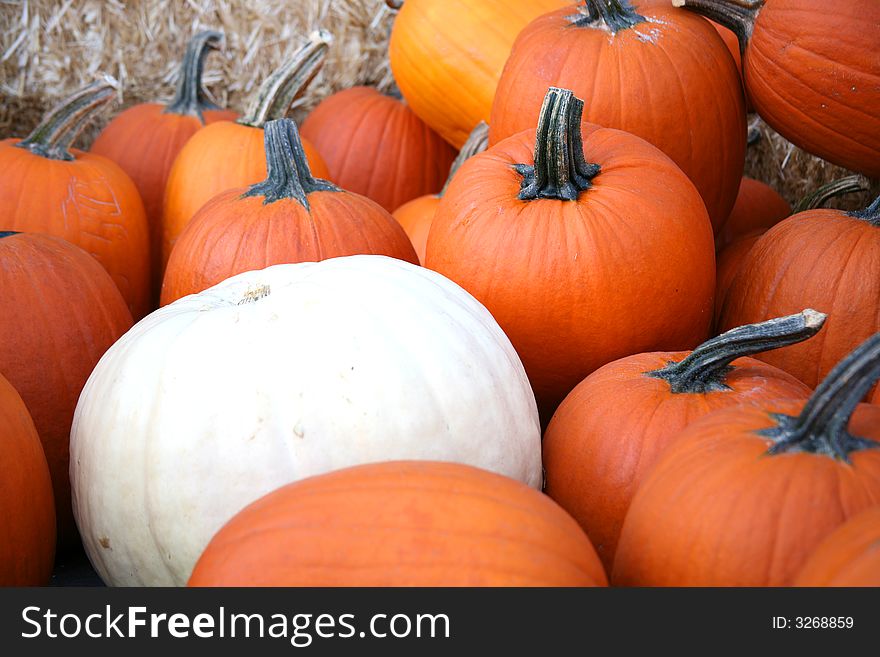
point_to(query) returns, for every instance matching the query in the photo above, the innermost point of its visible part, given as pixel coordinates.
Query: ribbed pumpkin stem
(820, 196)
(477, 142)
(617, 15)
(737, 16)
(288, 81)
(821, 428)
(289, 176)
(61, 126)
(871, 214)
(705, 368)
(191, 98)
(560, 171)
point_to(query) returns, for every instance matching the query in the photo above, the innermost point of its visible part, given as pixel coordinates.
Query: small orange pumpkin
(758, 207)
(27, 524)
(376, 146)
(289, 217)
(616, 423)
(417, 215)
(59, 313)
(227, 155)
(401, 523)
(144, 139)
(744, 495)
(849, 556)
(86, 199)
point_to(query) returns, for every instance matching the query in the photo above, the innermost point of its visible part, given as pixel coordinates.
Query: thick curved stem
(736, 15)
(705, 369)
(819, 197)
(560, 170)
(288, 174)
(63, 124)
(477, 142)
(288, 81)
(615, 15)
(871, 214)
(191, 98)
(821, 428)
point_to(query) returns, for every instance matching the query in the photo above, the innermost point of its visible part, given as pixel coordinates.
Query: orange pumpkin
(48, 187)
(727, 264)
(616, 423)
(827, 259)
(744, 496)
(289, 217)
(416, 215)
(654, 71)
(447, 56)
(226, 154)
(849, 556)
(571, 256)
(376, 146)
(27, 524)
(758, 207)
(59, 312)
(144, 139)
(403, 523)
(810, 69)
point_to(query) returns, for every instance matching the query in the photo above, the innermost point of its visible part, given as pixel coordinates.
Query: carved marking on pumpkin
(88, 206)
(255, 294)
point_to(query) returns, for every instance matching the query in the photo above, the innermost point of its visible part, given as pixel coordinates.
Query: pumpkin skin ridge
(689, 459)
(409, 481)
(514, 100)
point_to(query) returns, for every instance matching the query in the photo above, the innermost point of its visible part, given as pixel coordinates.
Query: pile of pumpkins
(527, 325)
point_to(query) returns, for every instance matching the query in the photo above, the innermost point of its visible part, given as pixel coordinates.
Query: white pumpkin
(275, 375)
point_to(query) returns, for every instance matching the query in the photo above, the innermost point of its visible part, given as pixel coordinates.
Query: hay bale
(50, 47)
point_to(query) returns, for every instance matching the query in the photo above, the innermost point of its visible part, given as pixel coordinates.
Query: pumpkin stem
(63, 124)
(821, 428)
(191, 97)
(706, 367)
(560, 171)
(738, 16)
(289, 176)
(820, 196)
(286, 83)
(476, 142)
(871, 214)
(617, 15)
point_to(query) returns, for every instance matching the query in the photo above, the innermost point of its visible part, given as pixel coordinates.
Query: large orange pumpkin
(581, 261)
(849, 556)
(226, 154)
(27, 524)
(145, 139)
(289, 217)
(758, 207)
(727, 263)
(402, 523)
(59, 313)
(826, 259)
(744, 495)
(417, 215)
(616, 423)
(654, 71)
(810, 69)
(49, 187)
(447, 56)
(376, 146)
